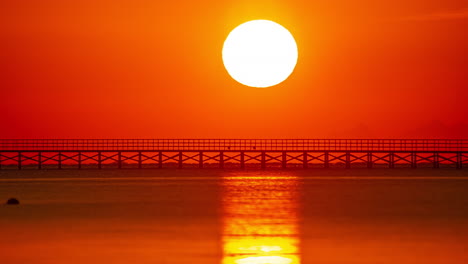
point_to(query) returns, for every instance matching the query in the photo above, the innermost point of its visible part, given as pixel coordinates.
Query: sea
(212, 216)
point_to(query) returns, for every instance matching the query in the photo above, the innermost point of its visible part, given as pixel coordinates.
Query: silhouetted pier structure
(241, 153)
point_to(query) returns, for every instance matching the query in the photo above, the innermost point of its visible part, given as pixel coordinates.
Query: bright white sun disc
(260, 53)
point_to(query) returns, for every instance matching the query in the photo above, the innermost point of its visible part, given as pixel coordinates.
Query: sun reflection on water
(260, 220)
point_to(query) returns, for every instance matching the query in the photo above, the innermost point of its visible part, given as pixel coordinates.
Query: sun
(260, 53)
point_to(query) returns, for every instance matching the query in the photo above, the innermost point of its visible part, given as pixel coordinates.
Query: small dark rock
(12, 201)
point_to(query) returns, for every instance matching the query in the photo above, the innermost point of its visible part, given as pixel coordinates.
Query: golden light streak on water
(260, 220)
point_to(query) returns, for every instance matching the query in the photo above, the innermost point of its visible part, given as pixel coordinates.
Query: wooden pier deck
(235, 153)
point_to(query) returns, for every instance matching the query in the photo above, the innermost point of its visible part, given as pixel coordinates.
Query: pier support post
(19, 160)
(79, 160)
(1, 157)
(414, 160)
(391, 160)
(99, 160)
(263, 165)
(39, 160)
(459, 161)
(370, 162)
(242, 160)
(436, 160)
(284, 160)
(304, 160)
(60, 160)
(200, 159)
(221, 160)
(119, 160)
(139, 160)
(327, 160)
(180, 160)
(160, 160)
(348, 160)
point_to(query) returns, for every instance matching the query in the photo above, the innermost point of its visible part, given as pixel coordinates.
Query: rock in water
(12, 201)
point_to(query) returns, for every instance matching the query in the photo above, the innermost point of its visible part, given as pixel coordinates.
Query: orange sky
(153, 69)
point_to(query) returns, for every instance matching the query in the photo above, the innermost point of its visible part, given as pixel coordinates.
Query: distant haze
(153, 69)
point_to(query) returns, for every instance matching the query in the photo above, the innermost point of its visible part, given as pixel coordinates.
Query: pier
(232, 153)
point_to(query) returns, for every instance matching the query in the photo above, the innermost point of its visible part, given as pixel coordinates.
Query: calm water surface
(196, 216)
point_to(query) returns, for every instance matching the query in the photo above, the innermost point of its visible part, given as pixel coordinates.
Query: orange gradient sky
(153, 69)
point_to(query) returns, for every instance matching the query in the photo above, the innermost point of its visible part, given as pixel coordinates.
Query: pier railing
(336, 145)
